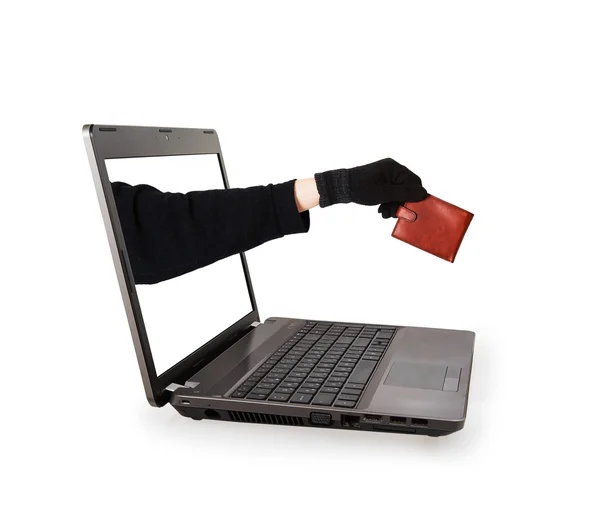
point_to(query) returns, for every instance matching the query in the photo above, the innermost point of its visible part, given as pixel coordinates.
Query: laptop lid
(180, 322)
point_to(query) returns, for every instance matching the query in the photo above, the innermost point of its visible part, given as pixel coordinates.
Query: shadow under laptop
(248, 439)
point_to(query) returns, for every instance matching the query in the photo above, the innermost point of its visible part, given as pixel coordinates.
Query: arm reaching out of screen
(170, 234)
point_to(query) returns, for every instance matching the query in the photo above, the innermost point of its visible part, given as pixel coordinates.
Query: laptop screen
(183, 305)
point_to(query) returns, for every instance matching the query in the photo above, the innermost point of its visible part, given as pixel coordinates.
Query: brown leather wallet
(433, 225)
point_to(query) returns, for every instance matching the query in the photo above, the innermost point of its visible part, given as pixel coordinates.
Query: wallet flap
(406, 214)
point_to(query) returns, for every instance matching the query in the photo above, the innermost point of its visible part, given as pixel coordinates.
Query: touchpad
(417, 376)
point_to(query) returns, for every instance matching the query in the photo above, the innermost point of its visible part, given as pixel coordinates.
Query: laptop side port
(397, 420)
(419, 422)
(320, 418)
(369, 418)
(350, 421)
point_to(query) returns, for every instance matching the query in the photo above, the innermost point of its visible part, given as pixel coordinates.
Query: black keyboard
(326, 364)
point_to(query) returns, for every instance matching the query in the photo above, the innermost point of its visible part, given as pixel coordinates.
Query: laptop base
(369, 423)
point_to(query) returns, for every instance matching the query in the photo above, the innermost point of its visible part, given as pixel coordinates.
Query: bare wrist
(306, 194)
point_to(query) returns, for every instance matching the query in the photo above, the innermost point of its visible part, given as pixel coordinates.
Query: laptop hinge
(174, 386)
(255, 324)
(188, 385)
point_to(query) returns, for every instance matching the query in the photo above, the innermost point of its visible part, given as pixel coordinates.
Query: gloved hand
(384, 182)
(389, 209)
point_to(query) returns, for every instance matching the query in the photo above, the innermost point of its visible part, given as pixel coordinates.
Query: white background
(187, 311)
(495, 105)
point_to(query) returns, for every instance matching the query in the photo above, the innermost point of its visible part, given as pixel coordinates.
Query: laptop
(202, 347)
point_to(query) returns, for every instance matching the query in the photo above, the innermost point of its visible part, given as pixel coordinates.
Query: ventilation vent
(267, 419)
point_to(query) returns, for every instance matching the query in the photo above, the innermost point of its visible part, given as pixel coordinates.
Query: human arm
(170, 234)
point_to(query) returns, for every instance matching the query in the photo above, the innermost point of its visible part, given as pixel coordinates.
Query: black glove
(384, 181)
(389, 209)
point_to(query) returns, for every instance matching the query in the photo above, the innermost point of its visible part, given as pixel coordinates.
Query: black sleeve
(170, 234)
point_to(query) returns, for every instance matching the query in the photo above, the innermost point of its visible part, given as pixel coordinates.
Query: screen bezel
(111, 142)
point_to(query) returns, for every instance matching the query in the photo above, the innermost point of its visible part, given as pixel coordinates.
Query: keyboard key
(348, 397)
(254, 396)
(345, 404)
(301, 398)
(281, 370)
(269, 386)
(279, 397)
(262, 391)
(356, 392)
(363, 371)
(286, 390)
(276, 378)
(345, 340)
(297, 375)
(355, 385)
(330, 389)
(293, 385)
(357, 348)
(302, 370)
(240, 393)
(310, 338)
(323, 398)
(312, 385)
(333, 384)
(308, 390)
